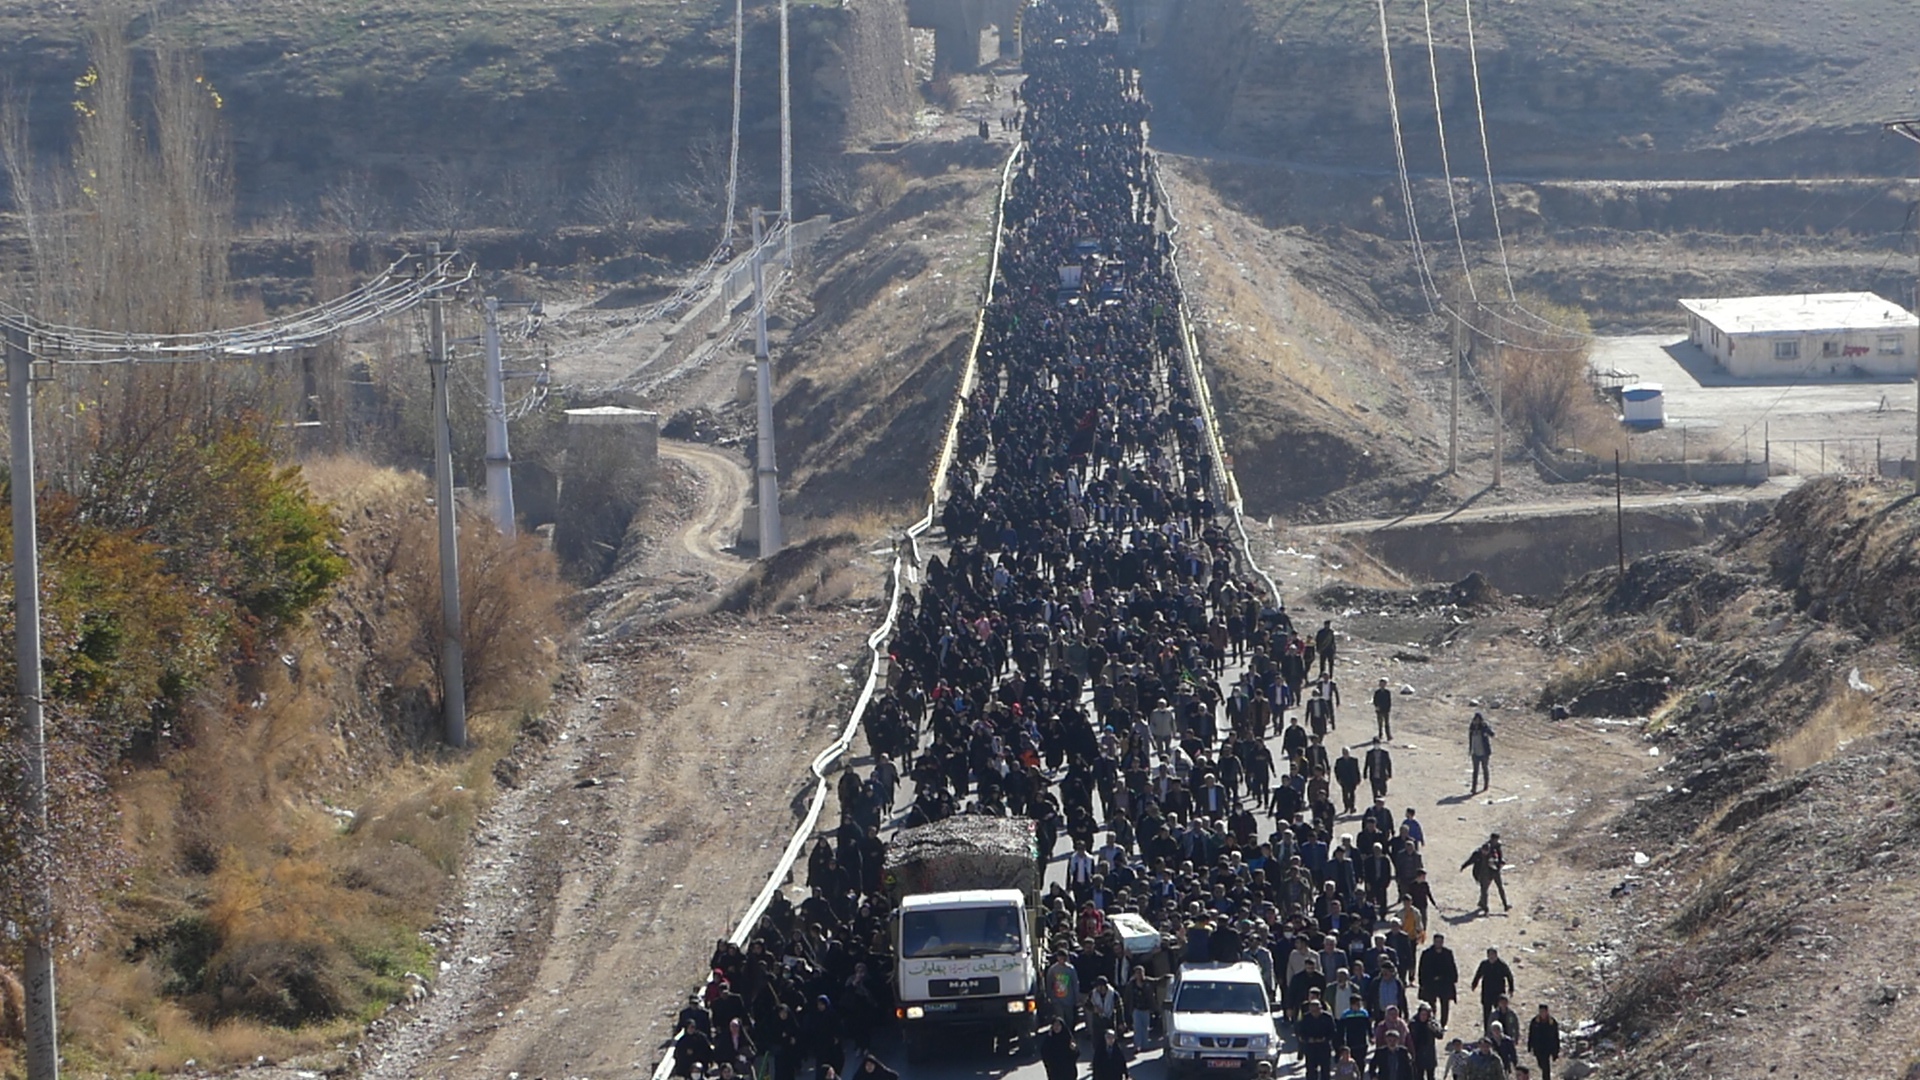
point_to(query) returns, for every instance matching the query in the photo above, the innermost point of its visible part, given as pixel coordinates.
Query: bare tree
(354, 207)
(702, 190)
(614, 198)
(446, 200)
(529, 198)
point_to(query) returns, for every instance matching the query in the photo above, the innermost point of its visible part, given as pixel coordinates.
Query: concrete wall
(613, 456)
(1539, 556)
(1855, 352)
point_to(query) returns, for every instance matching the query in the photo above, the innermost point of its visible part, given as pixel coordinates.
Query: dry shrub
(881, 184)
(793, 578)
(13, 1008)
(1845, 715)
(510, 590)
(1541, 349)
(1636, 654)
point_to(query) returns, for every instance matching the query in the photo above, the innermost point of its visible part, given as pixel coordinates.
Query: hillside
(1574, 87)
(508, 108)
(1777, 673)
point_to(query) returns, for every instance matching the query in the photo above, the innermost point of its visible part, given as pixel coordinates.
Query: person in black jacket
(1378, 769)
(1391, 1060)
(1424, 1033)
(872, 1068)
(1439, 977)
(1383, 711)
(1494, 979)
(1316, 1033)
(1543, 1041)
(1059, 1053)
(1109, 1057)
(1346, 772)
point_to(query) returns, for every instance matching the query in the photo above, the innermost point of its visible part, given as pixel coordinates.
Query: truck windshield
(1219, 997)
(960, 931)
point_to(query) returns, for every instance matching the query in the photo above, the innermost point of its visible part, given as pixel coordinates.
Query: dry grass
(254, 923)
(1651, 650)
(1846, 715)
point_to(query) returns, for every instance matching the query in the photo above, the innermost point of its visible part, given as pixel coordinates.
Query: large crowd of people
(1093, 653)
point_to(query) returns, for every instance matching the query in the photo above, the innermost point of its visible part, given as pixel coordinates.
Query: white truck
(1221, 1020)
(965, 930)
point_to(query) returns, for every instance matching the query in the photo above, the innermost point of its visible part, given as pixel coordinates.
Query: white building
(1817, 334)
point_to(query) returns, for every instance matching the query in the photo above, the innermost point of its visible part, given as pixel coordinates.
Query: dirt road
(712, 524)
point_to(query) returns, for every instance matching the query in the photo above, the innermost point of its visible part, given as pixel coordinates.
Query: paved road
(1767, 492)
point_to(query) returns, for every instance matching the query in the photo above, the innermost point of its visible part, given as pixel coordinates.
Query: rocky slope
(1582, 87)
(550, 92)
(1757, 928)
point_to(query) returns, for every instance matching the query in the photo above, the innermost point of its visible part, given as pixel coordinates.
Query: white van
(1222, 1020)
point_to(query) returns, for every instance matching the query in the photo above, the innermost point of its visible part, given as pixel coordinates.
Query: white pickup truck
(1221, 1020)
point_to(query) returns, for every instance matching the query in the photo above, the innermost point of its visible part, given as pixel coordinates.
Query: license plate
(1224, 1063)
(941, 1006)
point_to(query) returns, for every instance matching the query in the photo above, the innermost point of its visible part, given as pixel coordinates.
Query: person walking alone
(1383, 712)
(1543, 1040)
(1494, 979)
(1480, 752)
(1487, 862)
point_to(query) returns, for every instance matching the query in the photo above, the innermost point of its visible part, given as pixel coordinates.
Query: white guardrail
(1202, 392)
(905, 571)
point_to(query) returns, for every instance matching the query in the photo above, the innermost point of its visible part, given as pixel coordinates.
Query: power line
(1425, 272)
(403, 286)
(1446, 166)
(1486, 154)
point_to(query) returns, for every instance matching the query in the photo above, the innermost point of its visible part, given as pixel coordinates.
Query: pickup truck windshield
(1219, 997)
(960, 932)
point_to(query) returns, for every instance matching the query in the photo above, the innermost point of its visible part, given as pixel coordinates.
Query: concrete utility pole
(1495, 350)
(499, 457)
(43, 1032)
(1911, 130)
(786, 140)
(733, 155)
(767, 475)
(1453, 410)
(453, 676)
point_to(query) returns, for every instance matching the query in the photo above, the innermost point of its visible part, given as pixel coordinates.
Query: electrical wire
(1486, 155)
(392, 292)
(1428, 288)
(1446, 166)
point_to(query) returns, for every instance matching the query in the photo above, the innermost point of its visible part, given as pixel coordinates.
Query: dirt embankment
(1762, 931)
(1630, 88)
(445, 101)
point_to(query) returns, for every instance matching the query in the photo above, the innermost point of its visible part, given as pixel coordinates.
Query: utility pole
(499, 457)
(767, 475)
(1453, 411)
(453, 676)
(786, 140)
(1499, 409)
(43, 1032)
(1910, 129)
(733, 159)
(1619, 517)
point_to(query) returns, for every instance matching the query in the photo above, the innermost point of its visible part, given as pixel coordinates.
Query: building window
(1786, 350)
(1891, 345)
(1830, 349)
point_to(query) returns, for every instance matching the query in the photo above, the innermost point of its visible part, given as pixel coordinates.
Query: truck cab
(1221, 1020)
(966, 962)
